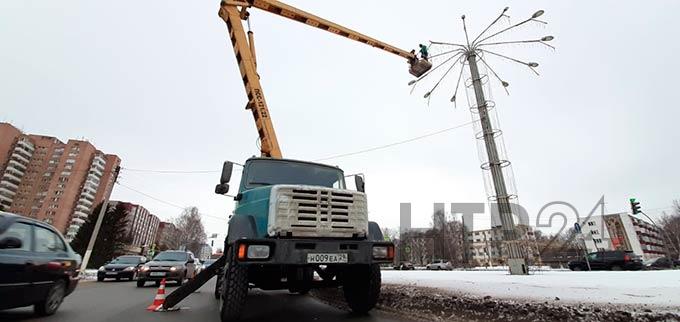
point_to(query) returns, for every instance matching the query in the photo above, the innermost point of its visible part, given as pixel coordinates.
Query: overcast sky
(156, 83)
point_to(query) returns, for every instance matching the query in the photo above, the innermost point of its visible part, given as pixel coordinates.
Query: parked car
(121, 267)
(37, 267)
(439, 264)
(615, 260)
(176, 265)
(404, 266)
(659, 263)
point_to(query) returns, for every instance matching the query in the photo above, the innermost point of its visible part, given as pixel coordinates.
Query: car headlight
(101, 268)
(145, 268)
(129, 268)
(176, 268)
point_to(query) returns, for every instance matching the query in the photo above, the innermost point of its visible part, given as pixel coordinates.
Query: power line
(165, 202)
(171, 171)
(396, 143)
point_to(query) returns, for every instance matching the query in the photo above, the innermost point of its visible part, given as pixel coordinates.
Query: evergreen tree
(111, 239)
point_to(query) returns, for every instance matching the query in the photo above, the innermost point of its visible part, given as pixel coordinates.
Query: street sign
(577, 227)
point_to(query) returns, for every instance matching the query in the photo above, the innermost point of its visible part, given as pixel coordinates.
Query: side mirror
(359, 181)
(222, 188)
(190, 261)
(10, 242)
(227, 168)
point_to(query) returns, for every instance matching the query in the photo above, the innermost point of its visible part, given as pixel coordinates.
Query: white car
(439, 264)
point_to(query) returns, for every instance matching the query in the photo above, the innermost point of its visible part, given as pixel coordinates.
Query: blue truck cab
(296, 226)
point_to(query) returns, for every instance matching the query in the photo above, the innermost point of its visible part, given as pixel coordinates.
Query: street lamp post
(498, 167)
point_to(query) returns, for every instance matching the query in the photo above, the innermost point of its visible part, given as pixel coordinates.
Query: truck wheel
(234, 289)
(361, 285)
(218, 290)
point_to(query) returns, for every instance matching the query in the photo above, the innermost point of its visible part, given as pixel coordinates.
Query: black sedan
(37, 267)
(122, 267)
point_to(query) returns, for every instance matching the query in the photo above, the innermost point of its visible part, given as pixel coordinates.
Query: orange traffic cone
(159, 299)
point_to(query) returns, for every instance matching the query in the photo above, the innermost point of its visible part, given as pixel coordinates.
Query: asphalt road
(124, 302)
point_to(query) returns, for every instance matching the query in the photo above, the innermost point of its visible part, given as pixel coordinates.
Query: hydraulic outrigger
(232, 12)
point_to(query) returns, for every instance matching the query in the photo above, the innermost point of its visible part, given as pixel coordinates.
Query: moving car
(439, 264)
(37, 267)
(122, 267)
(659, 263)
(614, 260)
(404, 266)
(176, 265)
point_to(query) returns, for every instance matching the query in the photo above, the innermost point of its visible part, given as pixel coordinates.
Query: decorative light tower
(495, 165)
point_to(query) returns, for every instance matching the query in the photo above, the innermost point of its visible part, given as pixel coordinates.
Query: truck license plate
(157, 274)
(327, 258)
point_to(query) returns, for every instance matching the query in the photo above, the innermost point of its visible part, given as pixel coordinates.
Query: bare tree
(670, 223)
(190, 231)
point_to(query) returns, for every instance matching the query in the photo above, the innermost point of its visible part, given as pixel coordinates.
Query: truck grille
(317, 212)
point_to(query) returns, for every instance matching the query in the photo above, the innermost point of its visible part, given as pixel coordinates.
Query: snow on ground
(657, 288)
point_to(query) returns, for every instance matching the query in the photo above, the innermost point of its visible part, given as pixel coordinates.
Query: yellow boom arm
(232, 12)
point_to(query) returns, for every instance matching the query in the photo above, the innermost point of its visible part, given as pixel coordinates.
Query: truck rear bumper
(296, 251)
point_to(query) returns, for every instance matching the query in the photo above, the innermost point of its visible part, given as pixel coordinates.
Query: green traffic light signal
(632, 200)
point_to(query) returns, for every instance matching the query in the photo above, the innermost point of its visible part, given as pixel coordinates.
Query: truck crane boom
(232, 12)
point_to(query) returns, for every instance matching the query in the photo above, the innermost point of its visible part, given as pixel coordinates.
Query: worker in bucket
(423, 51)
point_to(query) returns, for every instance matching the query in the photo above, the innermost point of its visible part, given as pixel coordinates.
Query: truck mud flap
(192, 285)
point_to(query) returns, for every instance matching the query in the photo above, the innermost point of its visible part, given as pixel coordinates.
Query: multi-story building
(487, 247)
(141, 228)
(46, 179)
(622, 231)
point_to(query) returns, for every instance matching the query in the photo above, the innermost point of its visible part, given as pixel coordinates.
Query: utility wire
(170, 171)
(395, 143)
(165, 202)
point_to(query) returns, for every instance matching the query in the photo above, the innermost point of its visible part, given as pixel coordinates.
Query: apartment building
(487, 246)
(49, 180)
(622, 231)
(142, 226)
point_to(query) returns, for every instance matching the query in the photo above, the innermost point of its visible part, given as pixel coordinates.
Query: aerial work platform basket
(419, 67)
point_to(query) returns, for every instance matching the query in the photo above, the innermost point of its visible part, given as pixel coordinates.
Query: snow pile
(88, 275)
(656, 288)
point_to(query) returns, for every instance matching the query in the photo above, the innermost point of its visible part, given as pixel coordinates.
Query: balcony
(9, 184)
(87, 195)
(77, 221)
(26, 144)
(5, 198)
(10, 175)
(80, 214)
(22, 153)
(85, 202)
(83, 208)
(16, 166)
(7, 192)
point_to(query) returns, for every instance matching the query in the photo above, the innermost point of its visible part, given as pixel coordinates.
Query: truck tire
(361, 285)
(234, 289)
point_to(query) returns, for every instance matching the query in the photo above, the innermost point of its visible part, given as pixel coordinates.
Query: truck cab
(296, 226)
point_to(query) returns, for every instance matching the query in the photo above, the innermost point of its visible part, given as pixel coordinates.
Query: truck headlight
(258, 251)
(383, 252)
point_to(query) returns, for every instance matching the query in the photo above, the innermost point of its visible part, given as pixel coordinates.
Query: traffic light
(635, 206)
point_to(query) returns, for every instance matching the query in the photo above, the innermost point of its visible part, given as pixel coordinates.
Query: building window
(594, 232)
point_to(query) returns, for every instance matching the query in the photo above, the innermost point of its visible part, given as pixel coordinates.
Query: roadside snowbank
(656, 288)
